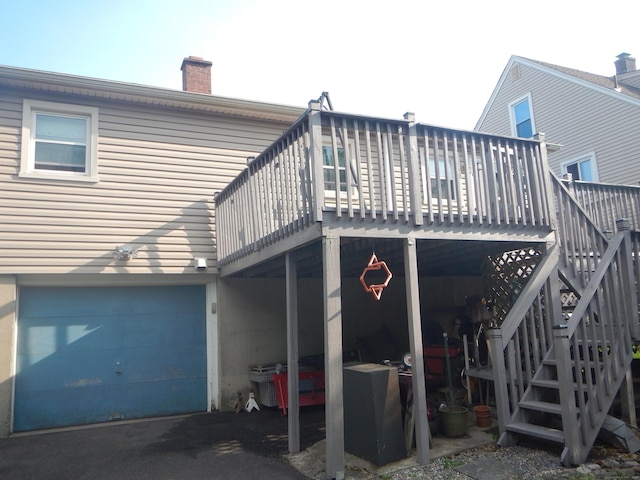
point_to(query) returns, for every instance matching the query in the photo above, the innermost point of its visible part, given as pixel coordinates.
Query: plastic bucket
(454, 421)
(483, 415)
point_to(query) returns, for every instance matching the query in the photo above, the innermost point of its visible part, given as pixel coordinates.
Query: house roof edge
(143, 94)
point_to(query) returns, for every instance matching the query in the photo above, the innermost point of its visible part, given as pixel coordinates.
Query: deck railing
(606, 203)
(589, 346)
(335, 166)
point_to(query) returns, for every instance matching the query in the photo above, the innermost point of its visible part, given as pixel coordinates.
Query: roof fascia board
(145, 94)
(496, 89)
(578, 81)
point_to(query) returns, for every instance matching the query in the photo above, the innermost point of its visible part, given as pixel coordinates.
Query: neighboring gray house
(595, 119)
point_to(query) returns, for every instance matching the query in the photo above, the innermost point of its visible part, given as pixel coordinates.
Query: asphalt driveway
(222, 445)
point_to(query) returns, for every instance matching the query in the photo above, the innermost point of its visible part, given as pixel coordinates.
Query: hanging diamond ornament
(375, 265)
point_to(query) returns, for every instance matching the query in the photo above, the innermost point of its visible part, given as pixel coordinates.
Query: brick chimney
(625, 64)
(196, 75)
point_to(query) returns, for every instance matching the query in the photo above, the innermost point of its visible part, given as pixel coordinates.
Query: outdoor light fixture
(200, 264)
(124, 253)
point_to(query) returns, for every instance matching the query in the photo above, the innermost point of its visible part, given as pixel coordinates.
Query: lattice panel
(505, 277)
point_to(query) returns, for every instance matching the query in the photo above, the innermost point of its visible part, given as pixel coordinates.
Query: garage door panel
(186, 393)
(48, 335)
(50, 409)
(120, 353)
(187, 362)
(176, 330)
(63, 370)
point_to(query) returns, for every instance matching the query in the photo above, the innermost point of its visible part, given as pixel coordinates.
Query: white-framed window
(444, 172)
(521, 116)
(438, 177)
(329, 169)
(581, 168)
(59, 141)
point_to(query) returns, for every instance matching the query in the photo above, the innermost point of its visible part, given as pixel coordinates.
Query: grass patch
(452, 463)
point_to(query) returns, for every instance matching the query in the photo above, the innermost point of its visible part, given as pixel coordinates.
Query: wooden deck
(384, 178)
(435, 200)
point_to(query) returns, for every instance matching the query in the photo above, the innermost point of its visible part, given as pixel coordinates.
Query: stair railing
(592, 345)
(519, 346)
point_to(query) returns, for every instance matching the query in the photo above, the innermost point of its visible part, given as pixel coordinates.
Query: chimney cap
(191, 59)
(625, 63)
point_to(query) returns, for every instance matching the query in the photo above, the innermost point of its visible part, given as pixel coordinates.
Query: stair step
(485, 373)
(540, 406)
(545, 383)
(555, 384)
(546, 433)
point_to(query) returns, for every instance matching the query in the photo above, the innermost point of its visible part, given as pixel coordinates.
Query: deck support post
(293, 418)
(334, 392)
(415, 341)
(627, 396)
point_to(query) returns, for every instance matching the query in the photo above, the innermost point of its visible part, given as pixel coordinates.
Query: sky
(440, 59)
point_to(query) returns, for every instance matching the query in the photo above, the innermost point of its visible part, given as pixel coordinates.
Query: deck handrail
(340, 166)
(590, 346)
(605, 203)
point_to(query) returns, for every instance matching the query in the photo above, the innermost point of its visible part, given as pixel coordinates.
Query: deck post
(315, 157)
(415, 340)
(334, 409)
(627, 396)
(564, 366)
(496, 353)
(293, 418)
(547, 188)
(630, 291)
(415, 193)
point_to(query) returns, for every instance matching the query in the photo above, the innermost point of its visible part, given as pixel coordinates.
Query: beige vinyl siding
(159, 169)
(579, 118)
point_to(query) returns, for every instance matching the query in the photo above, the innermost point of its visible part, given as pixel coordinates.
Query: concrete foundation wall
(7, 350)
(252, 331)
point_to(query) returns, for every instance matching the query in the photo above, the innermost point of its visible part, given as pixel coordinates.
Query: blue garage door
(88, 355)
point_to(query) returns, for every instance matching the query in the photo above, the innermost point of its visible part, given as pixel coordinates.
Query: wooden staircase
(558, 366)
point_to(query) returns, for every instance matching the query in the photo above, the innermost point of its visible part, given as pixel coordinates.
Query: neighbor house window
(59, 141)
(583, 168)
(329, 169)
(522, 124)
